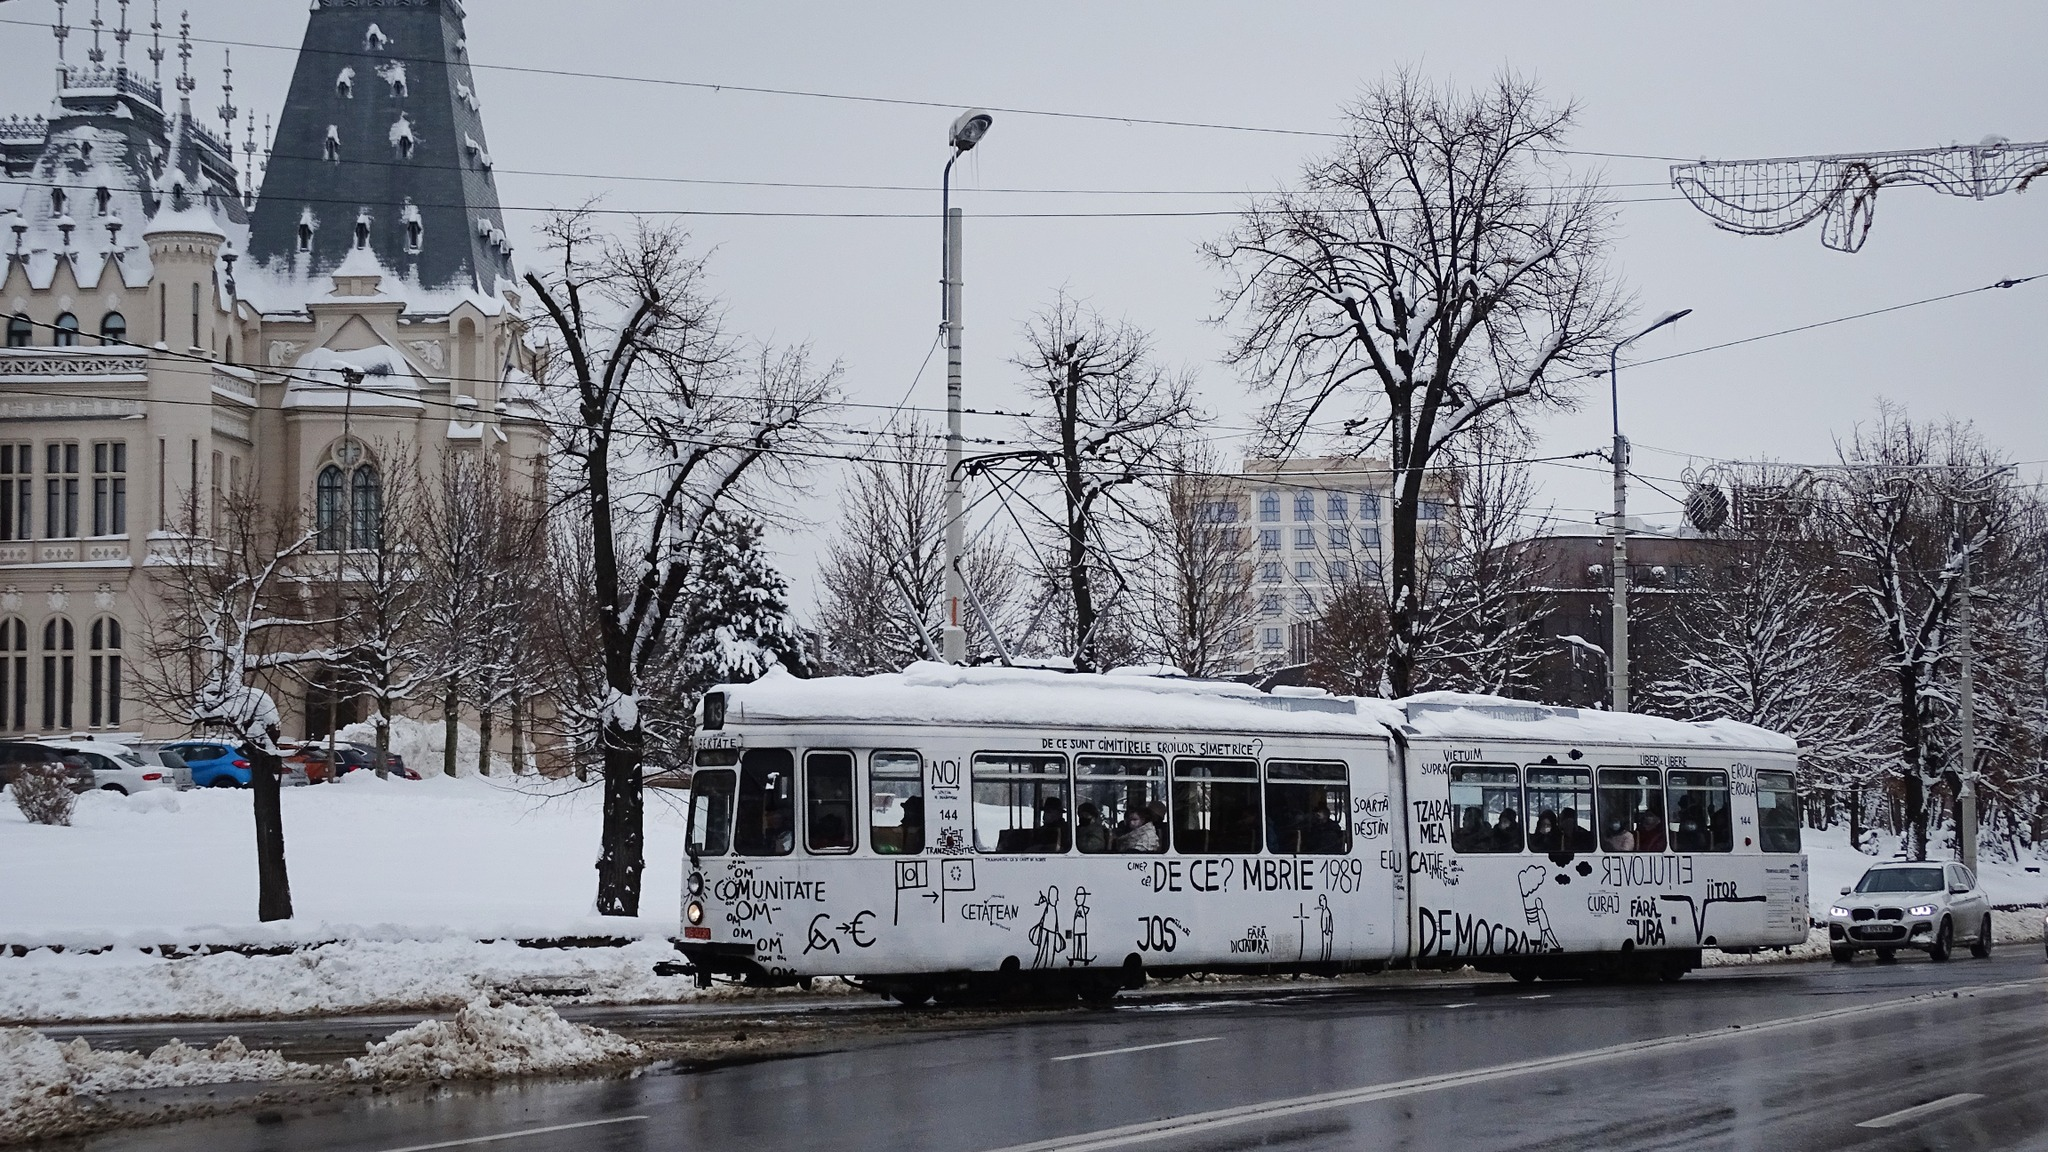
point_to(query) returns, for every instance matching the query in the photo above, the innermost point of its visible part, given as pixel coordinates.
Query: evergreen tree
(739, 622)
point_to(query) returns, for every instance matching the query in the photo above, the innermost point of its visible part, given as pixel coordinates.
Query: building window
(327, 522)
(110, 488)
(1303, 602)
(21, 332)
(1371, 570)
(366, 509)
(331, 148)
(1368, 505)
(1340, 571)
(60, 490)
(103, 695)
(1435, 536)
(1219, 511)
(13, 675)
(1269, 638)
(1431, 510)
(1269, 506)
(1340, 537)
(1270, 572)
(1304, 569)
(1339, 506)
(1269, 539)
(59, 648)
(1304, 537)
(1369, 536)
(66, 330)
(1269, 605)
(1304, 506)
(17, 490)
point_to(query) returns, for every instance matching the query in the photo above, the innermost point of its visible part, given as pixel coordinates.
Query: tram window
(710, 813)
(1020, 803)
(1700, 821)
(1119, 804)
(896, 803)
(1486, 808)
(1215, 806)
(716, 757)
(1631, 810)
(828, 802)
(1307, 805)
(766, 824)
(1562, 799)
(1777, 812)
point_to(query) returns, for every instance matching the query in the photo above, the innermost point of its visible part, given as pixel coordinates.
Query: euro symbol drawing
(856, 929)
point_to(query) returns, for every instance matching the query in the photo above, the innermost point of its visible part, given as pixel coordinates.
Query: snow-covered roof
(932, 693)
(319, 379)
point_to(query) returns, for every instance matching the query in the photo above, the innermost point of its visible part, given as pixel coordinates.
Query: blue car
(214, 765)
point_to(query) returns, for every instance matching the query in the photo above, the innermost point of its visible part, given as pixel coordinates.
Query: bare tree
(671, 423)
(1483, 627)
(380, 583)
(461, 607)
(232, 613)
(883, 578)
(1101, 412)
(1436, 274)
(1195, 604)
(1915, 503)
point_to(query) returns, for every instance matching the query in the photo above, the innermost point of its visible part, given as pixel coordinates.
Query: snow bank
(344, 977)
(484, 1040)
(434, 859)
(48, 1088)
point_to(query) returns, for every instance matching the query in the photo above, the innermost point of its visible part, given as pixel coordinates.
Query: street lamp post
(1618, 662)
(966, 132)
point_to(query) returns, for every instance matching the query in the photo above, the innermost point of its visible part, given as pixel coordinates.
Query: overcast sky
(1722, 81)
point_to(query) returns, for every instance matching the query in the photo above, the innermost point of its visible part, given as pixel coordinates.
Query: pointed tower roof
(382, 144)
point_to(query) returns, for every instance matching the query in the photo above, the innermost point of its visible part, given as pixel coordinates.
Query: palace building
(175, 334)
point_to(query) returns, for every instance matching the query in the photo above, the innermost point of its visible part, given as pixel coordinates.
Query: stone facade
(159, 355)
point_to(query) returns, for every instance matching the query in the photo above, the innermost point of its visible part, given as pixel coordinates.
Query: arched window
(103, 200)
(366, 508)
(60, 644)
(327, 522)
(21, 332)
(13, 676)
(113, 329)
(104, 692)
(67, 330)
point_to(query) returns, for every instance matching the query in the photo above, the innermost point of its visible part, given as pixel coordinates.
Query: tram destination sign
(1133, 746)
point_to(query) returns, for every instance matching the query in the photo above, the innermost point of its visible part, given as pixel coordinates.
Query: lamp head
(968, 129)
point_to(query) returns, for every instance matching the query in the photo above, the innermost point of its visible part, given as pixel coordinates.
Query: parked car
(18, 754)
(1911, 904)
(393, 762)
(214, 763)
(117, 767)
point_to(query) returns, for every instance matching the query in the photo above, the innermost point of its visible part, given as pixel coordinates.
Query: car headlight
(1920, 910)
(694, 912)
(1838, 910)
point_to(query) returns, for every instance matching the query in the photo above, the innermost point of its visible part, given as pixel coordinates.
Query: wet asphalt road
(1911, 1056)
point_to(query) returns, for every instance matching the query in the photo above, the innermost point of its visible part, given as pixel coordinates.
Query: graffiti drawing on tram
(1718, 892)
(1530, 880)
(1046, 935)
(915, 877)
(1077, 932)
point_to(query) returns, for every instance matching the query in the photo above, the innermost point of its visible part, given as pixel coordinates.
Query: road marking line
(1466, 1004)
(1905, 1116)
(1195, 1123)
(1537, 996)
(516, 1135)
(1134, 1048)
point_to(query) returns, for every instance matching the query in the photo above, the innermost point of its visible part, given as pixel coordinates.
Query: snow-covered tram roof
(929, 693)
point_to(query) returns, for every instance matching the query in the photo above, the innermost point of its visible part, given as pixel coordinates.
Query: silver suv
(1911, 904)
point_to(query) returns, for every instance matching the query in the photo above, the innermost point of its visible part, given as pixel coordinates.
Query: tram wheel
(1099, 991)
(911, 995)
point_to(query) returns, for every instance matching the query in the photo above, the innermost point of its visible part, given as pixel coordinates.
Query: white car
(1926, 905)
(117, 768)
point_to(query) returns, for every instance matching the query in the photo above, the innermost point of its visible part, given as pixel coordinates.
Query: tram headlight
(694, 912)
(696, 883)
(1838, 910)
(1920, 910)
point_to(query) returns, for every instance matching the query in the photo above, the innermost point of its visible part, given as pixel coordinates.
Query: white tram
(945, 829)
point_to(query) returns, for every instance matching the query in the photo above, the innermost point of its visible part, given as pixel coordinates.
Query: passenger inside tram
(1471, 835)
(1507, 831)
(1140, 830)
(1052, 834)
(1090, 833)
(913, 825)
(1543, 837)
(1649, 831)
(1570, 836)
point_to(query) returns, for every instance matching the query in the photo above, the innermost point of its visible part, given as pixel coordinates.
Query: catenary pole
(966, 132)
(1966, 704)
(1618, 648)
